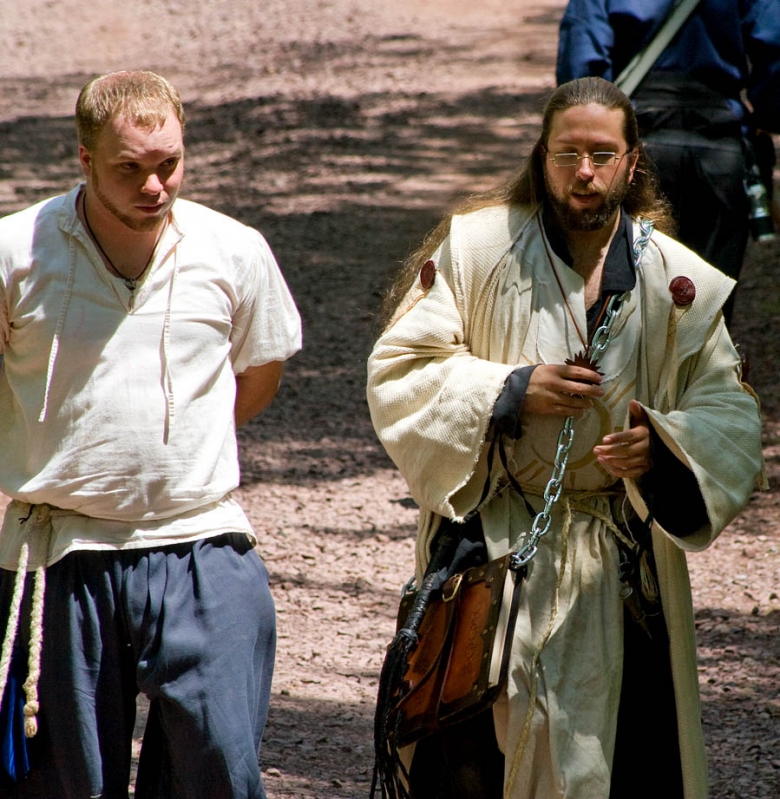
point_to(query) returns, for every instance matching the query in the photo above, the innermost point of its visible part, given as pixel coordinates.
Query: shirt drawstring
(55, 344)
(166, 343)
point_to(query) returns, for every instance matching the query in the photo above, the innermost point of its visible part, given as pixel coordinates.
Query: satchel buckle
(450, 589)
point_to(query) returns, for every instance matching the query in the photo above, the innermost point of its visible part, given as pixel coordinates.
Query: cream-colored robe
(433, 379)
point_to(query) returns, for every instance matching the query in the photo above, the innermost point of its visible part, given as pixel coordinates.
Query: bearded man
(491, 346)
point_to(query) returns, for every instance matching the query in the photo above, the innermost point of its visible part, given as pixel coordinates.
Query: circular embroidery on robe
(683, 291)
(427, 274)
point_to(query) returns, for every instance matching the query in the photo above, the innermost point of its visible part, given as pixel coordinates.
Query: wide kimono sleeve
(430, 397)
(702, 411)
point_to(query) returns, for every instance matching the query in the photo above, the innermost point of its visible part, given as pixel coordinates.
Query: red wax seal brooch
(427, 274)
(683, 291)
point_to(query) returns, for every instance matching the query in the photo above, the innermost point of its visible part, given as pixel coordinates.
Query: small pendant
(130, 284)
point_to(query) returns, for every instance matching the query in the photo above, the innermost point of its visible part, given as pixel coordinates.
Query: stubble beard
(587, 219)
(143, 225)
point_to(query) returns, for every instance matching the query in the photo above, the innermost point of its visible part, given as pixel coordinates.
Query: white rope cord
(31, 706)
(579, 500)
(524, 735)
(30, 686)
(12, 626)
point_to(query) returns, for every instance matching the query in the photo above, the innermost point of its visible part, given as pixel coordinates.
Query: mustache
(590, 188)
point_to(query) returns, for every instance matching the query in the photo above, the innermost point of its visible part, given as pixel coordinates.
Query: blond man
(137, 331)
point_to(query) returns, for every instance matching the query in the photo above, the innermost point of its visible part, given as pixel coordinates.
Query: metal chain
(598, 346)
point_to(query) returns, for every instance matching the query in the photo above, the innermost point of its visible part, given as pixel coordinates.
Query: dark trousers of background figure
(190, 625)
(703, 180)
(693, 137)
(464, 762)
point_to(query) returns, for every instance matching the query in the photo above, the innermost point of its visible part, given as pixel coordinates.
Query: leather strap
(641, 63)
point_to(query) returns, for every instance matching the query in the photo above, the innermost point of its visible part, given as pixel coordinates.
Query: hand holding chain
(598, 346)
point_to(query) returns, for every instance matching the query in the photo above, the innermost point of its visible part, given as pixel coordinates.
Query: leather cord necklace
(130, 282)
(560, 287)
(581, 358)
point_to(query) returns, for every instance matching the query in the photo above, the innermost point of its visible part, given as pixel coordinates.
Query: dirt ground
(342, 129)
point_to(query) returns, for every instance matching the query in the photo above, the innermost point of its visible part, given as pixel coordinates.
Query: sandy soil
(342, 129)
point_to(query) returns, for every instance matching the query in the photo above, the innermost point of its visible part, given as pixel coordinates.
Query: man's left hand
(627, 453)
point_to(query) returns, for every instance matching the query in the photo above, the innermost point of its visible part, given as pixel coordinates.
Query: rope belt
(580, 501)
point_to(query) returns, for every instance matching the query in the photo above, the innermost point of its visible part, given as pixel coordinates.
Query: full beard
(587, 219)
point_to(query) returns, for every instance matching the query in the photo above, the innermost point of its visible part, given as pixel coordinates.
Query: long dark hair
(527, 185)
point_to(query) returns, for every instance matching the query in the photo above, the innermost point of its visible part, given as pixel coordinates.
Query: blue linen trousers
(192, 626)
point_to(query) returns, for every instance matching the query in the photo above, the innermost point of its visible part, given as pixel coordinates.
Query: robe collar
(619, 273)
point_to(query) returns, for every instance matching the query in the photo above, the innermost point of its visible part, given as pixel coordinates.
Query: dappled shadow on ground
(304, 730)
(739, 669)
(756, 329)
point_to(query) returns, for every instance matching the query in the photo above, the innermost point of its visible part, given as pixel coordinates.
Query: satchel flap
(448, 674)
(473, 642)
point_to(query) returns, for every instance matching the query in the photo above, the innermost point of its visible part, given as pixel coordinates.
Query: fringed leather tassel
(387, 763)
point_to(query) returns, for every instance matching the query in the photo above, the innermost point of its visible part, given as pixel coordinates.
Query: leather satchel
(455, 670)
(449, 658)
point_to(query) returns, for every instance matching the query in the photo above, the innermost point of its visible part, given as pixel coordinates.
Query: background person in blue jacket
(690, 108)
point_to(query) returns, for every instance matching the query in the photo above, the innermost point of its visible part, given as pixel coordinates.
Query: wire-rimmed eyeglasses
(603, 158)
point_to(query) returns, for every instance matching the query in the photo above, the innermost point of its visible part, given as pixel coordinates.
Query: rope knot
(31, 709)
(30, 726)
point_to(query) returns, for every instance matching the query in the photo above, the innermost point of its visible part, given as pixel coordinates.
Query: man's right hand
(561, 390)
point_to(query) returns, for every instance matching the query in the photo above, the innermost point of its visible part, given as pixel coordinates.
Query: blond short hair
(145, 98)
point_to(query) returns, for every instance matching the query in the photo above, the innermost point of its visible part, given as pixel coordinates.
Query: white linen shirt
(117, 411)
